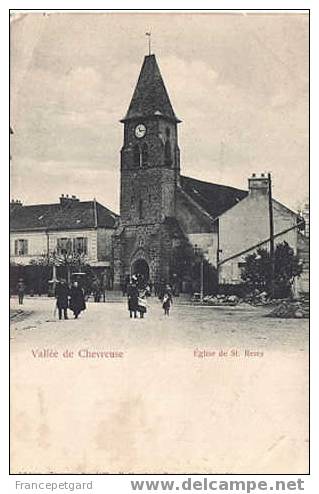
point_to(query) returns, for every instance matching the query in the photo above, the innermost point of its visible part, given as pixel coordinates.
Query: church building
(166, 219)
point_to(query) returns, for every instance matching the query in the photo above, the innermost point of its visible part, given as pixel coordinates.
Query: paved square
(158, 405)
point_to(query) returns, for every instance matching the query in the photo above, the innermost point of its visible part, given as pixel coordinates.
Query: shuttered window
(64, 245)
(21, 247)
(80, 245)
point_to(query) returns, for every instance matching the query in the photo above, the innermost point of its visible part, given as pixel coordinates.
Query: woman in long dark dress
(132, 299)
(77, 302)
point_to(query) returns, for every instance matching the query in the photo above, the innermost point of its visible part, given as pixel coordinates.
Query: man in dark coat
(77, 302)
(62, 298)
(21, 290)
(132, 298)
(125, 284)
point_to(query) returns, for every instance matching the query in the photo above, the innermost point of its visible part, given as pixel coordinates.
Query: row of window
(140, 154)
(64, 245)
(77, 245)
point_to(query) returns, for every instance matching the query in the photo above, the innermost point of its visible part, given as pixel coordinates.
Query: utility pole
(271, 237)
(200, 254)
(202, 278)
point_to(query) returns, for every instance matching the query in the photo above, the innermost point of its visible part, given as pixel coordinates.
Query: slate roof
(213, 198)
(150, 96)
(70, 216)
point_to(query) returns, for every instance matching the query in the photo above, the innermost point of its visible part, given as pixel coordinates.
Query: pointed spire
(150, 96)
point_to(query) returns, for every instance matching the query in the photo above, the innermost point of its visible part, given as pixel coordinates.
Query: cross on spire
(149, 34)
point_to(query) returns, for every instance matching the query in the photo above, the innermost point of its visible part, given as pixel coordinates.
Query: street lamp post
(68, 261)
(201, 254)
(54, 276)
(202, 278)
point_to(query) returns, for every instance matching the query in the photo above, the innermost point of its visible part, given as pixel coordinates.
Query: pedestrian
(142, 303)
(125, 285)
(96, 288)
(104, 284)
(156, 288)
(62, 298)
(167, 300)
(148, 290)
(21, 290)
(132, 298)
(77, 302)
(161, 290)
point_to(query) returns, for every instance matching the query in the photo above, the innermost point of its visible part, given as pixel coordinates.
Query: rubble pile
(284, 308)
(258, 298)
(282, 305)
(228, 300)
(291, 309)
(14, 313)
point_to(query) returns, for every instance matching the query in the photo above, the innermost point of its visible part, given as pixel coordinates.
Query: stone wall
(151, 242)
(147, 196)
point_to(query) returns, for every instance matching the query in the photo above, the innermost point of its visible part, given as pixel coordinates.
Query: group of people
(137, 298)
(69, 298)
(139, 281)
(73, 297)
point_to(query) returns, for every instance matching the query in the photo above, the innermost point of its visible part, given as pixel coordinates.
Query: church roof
(150, 96)
(71, 215)
(215, 199)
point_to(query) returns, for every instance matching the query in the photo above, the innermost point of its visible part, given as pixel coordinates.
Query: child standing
(142, 303)
(167, 302)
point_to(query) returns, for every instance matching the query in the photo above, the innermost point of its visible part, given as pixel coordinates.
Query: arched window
(168, 153)
(137, 155)
(168, 132)
(145, 155)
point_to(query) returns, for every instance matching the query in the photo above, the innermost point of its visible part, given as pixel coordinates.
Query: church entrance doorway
(141, 269)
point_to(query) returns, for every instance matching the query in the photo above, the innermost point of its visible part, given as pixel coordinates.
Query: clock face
(140, 130)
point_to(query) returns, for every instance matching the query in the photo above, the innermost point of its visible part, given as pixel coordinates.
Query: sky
(238, 82)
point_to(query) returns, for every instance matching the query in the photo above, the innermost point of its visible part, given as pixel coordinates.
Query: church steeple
(150, 157)
(150, 176)
(150, 97)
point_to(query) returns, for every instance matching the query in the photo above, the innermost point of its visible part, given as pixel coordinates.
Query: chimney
(258, 186)
(15, 205)
(66, 199)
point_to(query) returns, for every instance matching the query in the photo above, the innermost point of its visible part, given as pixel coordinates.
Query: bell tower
(150, 175)
(150, 161)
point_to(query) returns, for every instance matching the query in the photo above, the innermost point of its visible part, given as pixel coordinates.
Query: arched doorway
(141, 269)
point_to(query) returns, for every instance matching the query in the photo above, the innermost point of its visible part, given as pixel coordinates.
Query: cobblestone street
(158, 401)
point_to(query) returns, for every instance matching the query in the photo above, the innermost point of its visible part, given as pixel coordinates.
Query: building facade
(167, 220)
(68, 228)
(164, 214)
(245, 227)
